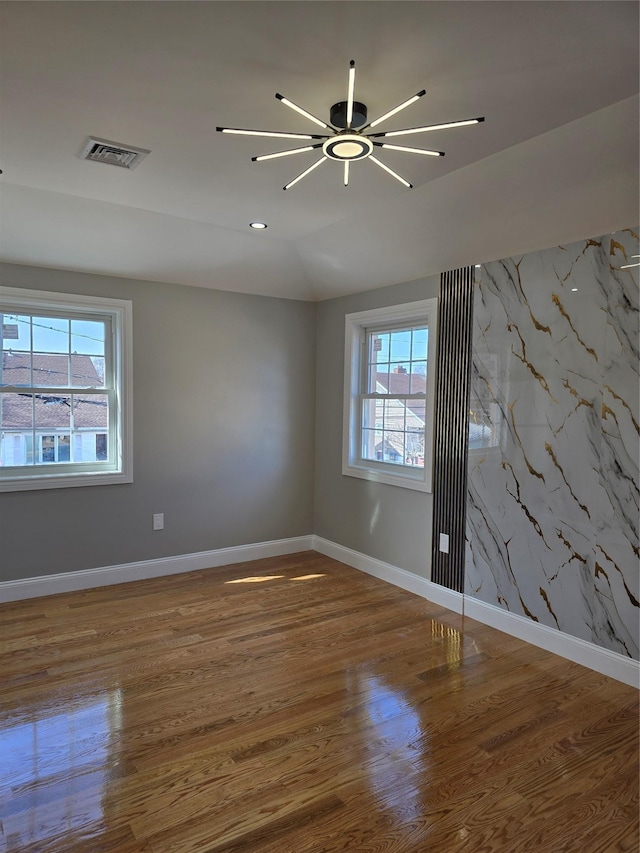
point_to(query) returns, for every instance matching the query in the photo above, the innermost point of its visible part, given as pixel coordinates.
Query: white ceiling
(556, 159)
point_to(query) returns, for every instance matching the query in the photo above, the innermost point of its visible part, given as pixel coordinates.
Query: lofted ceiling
(556, 159)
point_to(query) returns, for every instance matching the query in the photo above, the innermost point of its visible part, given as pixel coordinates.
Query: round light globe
(347, 146)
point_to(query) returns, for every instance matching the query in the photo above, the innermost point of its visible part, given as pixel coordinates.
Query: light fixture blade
(351, 87)
(429, 127)
(391, 172)
(409, 150)
(346, 173)
(302, 112)
(397, 109)
(284, 153)
(239, 131)
(305, 173)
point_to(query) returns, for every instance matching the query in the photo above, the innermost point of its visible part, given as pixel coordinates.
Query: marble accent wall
(552, 504)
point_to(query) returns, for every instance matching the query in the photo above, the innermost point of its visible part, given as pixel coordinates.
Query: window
(55, 448)
(65, 390)
(389, 389)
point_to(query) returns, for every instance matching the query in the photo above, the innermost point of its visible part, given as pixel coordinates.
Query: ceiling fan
(345, 140)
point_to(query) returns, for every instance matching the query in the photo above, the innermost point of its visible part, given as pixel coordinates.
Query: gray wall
(386, 522)
(224, 389)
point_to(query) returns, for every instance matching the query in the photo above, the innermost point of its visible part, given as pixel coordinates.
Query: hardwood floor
(295, 705)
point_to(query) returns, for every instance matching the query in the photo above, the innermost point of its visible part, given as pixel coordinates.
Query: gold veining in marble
(530, 467)
(558, 303)
(530, 367)
(560, 489)
(554, 458)
(545, 598)
(624, 403)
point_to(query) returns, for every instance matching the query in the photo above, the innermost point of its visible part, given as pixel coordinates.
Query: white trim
(352, 466)
(107, 575)
(121, 313)
(574, 649)
(391, 574)
(19, 296)
(594, 657)
(611, 664)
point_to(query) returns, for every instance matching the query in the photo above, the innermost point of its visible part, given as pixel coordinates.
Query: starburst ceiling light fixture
(345, 140)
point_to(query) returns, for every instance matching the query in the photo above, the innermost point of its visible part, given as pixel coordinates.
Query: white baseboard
(392, 574)
(109, 575)
(594, 657)
(579, 651)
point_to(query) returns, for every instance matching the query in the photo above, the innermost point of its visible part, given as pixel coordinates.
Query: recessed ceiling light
(258, 225)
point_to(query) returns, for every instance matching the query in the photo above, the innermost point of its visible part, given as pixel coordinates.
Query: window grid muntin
(36, 431)
(369, 378)
(370, 366)
(417, 312)
(69, 314)
(54, 444)
(105, 320)
(413, 440)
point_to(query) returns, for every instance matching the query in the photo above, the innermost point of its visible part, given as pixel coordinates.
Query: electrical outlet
(158, 521)
(444, 543)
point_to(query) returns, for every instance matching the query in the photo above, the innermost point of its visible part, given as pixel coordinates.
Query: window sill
(63, 481)
(404, 481)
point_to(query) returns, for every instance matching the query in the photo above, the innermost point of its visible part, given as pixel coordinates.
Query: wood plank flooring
(295, 705)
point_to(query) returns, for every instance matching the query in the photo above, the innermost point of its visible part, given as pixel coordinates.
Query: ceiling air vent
(113, 153)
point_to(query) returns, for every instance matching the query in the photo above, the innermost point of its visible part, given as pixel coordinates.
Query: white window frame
(356, 325)
(120, 348)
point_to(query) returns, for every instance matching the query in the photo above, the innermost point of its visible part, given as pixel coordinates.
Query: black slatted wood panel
(451, 425)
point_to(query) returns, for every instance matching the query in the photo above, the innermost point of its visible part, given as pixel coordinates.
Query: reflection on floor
(294, 704)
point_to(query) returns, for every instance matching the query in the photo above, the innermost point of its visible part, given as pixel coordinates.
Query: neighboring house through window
(389, 389)
(65, 390)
